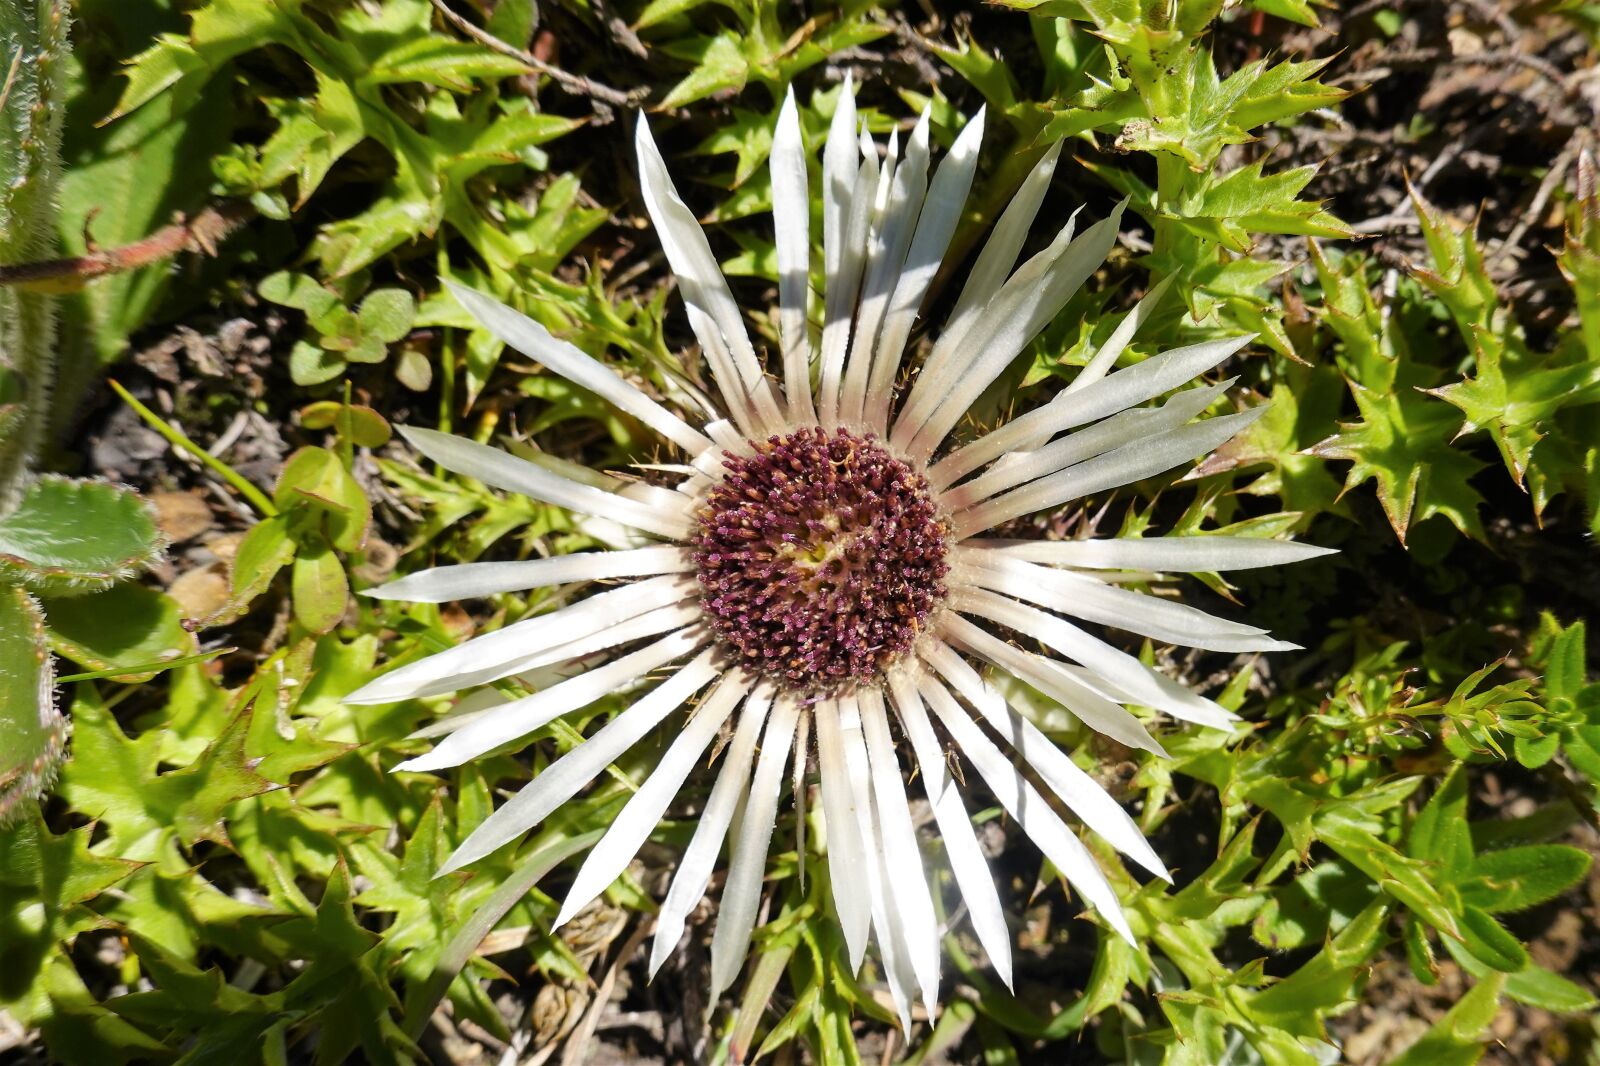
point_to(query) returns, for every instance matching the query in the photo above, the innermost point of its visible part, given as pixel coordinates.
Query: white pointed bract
(827, 556)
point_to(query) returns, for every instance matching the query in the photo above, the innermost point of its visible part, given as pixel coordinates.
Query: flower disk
(820, 558)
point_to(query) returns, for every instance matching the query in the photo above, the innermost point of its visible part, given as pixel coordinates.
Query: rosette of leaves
(60, 539)
(344, 336)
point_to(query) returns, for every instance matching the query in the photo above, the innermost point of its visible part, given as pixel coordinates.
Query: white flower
(819, 569)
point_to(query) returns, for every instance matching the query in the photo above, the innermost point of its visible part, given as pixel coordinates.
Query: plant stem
(179, 440)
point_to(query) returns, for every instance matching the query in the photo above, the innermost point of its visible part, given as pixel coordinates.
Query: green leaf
(299, 291)
(1516, 396)
(1408, 880)
(1489, 942)
(659, 11)
(356, 423)
(310, 365)
(116, 780)
(220, 31)
(720, 64)
(440, 61)
(311, 137)
(69, 536)
(228, 1024)
(1403, 443)
(320, 590)
(44, 880)
(1539, 987)
(1279, 92)
(1441, 833)
(1419, 953)
(348, 245)
(35, 731)
(1316, 903)
(386, 314)
(1533, 984)
(413, 370)
(1246, 201)
(1565, 665)
(316, 478)
(124, 626)
(125, 181)
(1455, 1039)
(1325, 980)
(264, 551)
(1534, 752)
(1514, 879)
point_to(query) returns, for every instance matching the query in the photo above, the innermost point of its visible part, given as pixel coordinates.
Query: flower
(819, 565)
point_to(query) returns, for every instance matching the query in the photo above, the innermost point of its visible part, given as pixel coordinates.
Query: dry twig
(202, 233)
(576, 84)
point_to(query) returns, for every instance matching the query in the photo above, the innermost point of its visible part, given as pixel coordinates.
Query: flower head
(821, 567)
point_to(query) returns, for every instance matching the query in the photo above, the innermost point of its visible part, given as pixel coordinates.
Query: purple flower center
(820, 558)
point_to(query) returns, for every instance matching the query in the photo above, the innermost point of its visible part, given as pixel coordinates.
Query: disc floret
(821, 557)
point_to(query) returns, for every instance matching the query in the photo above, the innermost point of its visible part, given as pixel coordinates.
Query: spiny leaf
(1403, 443)
(117, 780)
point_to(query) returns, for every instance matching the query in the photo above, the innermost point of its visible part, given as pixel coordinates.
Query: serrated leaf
(748, 137)
(1408, 880)
(220, 31)
(73, 536)
(719, 65)
(311, 137)
(1246, 201)
(435, 60)
(228, 1023)
(1316, 903)
(1284, 90)
(1324, 981)
(116, 779)
(1403, 444)
(44, 882)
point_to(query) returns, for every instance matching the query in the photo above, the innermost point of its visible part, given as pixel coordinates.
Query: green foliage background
(228, 872)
